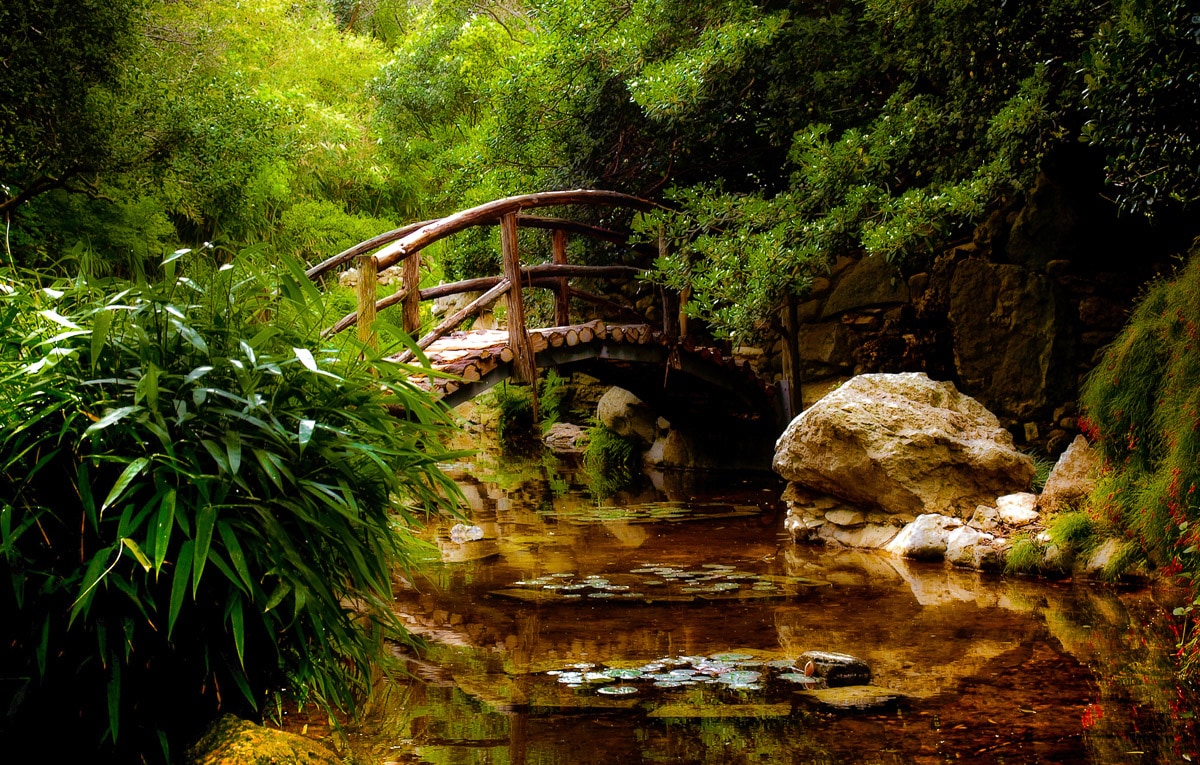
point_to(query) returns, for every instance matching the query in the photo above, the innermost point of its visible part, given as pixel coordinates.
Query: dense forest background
(168, 166)
(787, 133)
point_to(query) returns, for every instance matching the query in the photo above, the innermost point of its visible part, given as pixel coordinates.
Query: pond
(663, 625)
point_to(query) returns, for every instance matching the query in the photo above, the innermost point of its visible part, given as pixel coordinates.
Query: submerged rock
(233, 741)
(905, 444)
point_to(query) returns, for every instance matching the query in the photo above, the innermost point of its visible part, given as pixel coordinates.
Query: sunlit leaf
(131, 471)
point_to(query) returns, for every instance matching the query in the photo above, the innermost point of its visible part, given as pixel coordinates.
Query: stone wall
(1016, 317)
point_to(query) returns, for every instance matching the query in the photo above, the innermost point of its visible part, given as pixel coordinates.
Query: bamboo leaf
(192, 336)
(268, 466)
(58, 318)
(236, 556)
(217, 453)
(183, 569)
(306, 358)
(131, 471)
(101, 323)
(91, 578)
(237, 622)
(233, 448)
(306, 431)
(205, 522)
(43, 647)
(113, 416)
(137, 553)
(84, 484)
(147, 387)
(162, 529)
(114, 697)
(277, 597)
(197, 373)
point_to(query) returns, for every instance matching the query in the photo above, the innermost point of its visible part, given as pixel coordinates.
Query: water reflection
(994, 670)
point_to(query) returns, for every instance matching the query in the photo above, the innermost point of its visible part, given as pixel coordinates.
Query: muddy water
(989, 670)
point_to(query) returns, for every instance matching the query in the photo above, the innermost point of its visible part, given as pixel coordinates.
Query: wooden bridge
(681, 377)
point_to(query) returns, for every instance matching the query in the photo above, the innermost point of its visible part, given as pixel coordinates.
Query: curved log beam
(493, 211)
(364, 247)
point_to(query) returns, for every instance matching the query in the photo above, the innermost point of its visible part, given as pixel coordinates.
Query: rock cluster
(912, 467)
(662, 446)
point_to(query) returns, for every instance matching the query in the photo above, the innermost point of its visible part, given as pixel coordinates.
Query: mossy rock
(233, 741)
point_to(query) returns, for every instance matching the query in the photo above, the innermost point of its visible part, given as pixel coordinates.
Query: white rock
(961, 544)
(868, 536)
(925, 538)
(985, 518)
(625, 413)
(1017, 509)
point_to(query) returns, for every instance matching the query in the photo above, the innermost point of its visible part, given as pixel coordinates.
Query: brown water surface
(990, 669)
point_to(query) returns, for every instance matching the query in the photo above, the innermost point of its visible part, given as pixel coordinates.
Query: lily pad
(618, 690)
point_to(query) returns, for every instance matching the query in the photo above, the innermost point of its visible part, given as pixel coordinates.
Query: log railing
(403, 245)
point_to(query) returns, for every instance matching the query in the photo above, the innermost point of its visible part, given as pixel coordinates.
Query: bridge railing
(404, 245)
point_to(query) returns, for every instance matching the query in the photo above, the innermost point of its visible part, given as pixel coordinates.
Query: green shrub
(552, 394)
(1024, 557)
(514, 410)
(1142, 407)
(1073, 532)
(198, 512)
(608, 460)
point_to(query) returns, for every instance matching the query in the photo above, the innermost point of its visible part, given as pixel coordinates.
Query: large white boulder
(904, 444)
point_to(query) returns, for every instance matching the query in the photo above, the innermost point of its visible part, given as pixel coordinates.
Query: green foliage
(59, 88)
(515, 422)
(1025, 556)
(1142, 404)
(1073, 532)
(609, 463)
(313, 230)
(201, 509)
(552, 394)
(1142, 102)
(514, 413)
(1041, 473)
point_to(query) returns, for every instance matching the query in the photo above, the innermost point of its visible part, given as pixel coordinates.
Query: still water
(554, 639)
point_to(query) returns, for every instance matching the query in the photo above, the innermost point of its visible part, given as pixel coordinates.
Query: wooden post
(794, 401)
(670, 302)
(368, 278)
(411, 305)
(562, 301)
(685, 295)
(524, 364)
